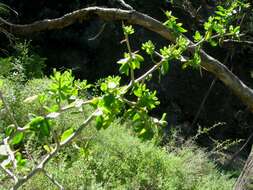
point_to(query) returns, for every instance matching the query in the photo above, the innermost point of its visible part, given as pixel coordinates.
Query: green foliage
(62, 88)
(149, 47)
(40, 125)
(23, 65)
(222, 24)
(172, 24)
(123, 165)
(197, 37)
(111, 85)
(128, 30)
(194, 62)
(66, 134)
(146, 100)
(130, 62)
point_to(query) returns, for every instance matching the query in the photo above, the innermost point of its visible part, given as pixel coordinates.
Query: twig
(10, 152)
(9, 173)
(206, 96)
(239, 41)
(203, 102)
(53, 180)
(154, 68)
(99, 33)
(238, 152)
(130, 54)
(124, 4)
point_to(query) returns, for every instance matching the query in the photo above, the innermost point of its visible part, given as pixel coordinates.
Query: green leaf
(40, 125)
(17, 138)
(208, 34)
(149, 47)
(124, 69)
(197, 36)
(36, 122)
(180, 29)
(143, 131)
(66, 134)
(9, 129)
(128, 30)
(136, 117)
(213, 43)
(236, 30)
(99, 122)
(48, 148)
(20, 161)
(165, 67)
(138, 57)
(108, 100)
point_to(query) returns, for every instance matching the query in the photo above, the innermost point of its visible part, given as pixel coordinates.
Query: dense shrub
(114, 159)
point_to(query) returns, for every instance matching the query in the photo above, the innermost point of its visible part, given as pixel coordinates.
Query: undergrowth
(114, 158)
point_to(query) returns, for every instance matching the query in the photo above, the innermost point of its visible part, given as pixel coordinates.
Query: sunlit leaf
(66, 134)
(48, 148)
(17, 138)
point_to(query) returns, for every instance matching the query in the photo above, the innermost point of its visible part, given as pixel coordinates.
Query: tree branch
(40, 167)
(134, 17)
(243, 182)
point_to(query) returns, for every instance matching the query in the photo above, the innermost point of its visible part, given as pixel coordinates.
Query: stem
(213, 37)
(145, 75)
(130, 54)
(9, 173)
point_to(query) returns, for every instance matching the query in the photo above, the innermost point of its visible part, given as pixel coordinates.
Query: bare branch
(9, 173)
(243, 181)
(239, 41)
(10, 152)
(150, 71)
